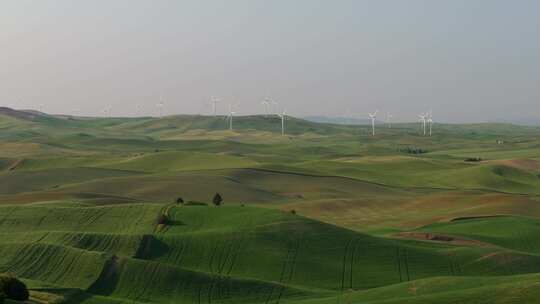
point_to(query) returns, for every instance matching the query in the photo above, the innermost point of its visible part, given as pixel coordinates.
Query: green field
(325, 214)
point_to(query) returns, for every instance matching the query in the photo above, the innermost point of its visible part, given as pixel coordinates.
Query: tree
(12, 288)
(217, 200)
(162, 219)
(179, 200)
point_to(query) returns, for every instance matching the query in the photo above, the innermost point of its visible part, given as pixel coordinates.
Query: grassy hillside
(325, 214)
(214, 253)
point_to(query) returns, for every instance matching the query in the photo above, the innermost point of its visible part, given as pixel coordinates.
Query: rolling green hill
(325, 214)
(215, 254)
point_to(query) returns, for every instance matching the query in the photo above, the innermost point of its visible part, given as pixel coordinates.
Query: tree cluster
(217, 200)
(413, 150)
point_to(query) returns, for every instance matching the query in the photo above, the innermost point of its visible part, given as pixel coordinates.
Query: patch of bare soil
(523, 164)
(440, 238)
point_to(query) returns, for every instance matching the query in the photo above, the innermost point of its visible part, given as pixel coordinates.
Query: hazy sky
(469, 60)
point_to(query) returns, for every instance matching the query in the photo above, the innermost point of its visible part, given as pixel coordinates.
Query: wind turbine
(214, 101)
(283, 116)
(423, 118)
(107, 111)
(138, 110)
(160, 105)
(389, 120)
(373, 116)
(430, 121)
(266, 105)
(230, 117)
(275, 104)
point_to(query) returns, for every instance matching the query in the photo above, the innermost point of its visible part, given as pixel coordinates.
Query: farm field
(325, 214)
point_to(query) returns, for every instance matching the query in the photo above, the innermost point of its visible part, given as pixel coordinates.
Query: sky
(466, 60)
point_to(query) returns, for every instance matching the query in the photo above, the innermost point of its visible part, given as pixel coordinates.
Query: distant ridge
(21, 114)
(530, 121)
(338, 120)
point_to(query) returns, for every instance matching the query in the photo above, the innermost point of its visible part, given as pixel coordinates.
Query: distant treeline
(412, 150)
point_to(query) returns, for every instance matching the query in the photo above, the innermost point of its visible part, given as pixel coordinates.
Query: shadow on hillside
(70, 295)
(150, 247)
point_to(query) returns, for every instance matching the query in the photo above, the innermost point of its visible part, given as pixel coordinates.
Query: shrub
(162, 219)
(194, 203)
(179, 200)
(293, 211)
(413, 150)
(217, 200)
(473, 159)
(12, 288)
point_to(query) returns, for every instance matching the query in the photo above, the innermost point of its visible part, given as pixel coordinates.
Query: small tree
(179, 200)
(217, 200)
(12, 288)
(162, 219)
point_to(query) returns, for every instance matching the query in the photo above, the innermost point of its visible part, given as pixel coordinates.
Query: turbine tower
(275, 104)
(430, 121)
(230, 117)
(214, 101)
(283, 117)
(107, 111)
(373, 116)
(160, 106)
(266, 105)
(389, 120)
(423, 118)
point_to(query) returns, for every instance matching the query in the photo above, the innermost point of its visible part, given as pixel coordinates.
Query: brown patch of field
(375, 159)
(522, 164)
(440, 238)
(500, 257)
(32, 198)
(412, 210)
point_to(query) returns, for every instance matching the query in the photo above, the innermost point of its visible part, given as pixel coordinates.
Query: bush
(217, 200)
(179, 200)
(473, 159)
(293, 211)
(413, 150)
(12, 288)
(194, 203)
(162, 219)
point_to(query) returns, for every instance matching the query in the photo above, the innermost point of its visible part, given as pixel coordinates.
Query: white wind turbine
(231, 116)
(373, 116)
(283, 117)
(430, 122)
(266, 105)
(275, 104)
(389, 120)
(423, 118)
(214, 101)
(160, 106)
(138, 110)
(107, 111)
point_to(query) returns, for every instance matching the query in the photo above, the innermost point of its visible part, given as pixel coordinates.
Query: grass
(79, 199)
